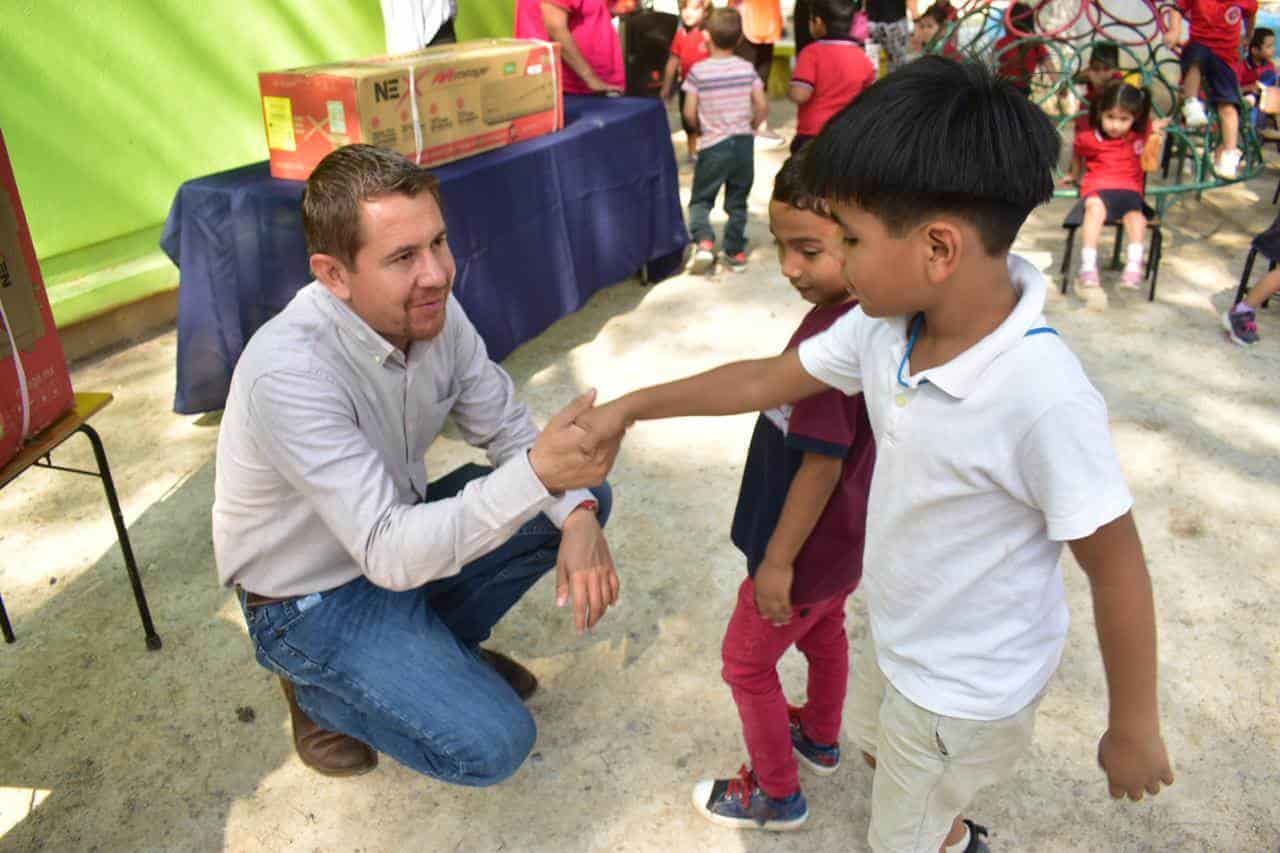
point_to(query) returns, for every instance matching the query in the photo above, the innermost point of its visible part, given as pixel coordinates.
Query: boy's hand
(604, 425)
(1134, 763)
(773, 591)
(558, 457)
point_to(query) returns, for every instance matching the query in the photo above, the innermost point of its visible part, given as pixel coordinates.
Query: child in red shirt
(1103, 68)
(690, 45)
(830, 72)
(1212, 56)
(933, 33)
(1111, 158)
(1018, 56)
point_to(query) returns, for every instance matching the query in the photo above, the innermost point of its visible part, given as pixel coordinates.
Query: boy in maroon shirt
(830, 72)
(800, 522)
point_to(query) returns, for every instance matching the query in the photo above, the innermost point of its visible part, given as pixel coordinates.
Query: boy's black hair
(790, 189)
(725, 27)
(1260, 36)
(1023, 17)
(1106, 53)
(939, 136)
(1127, 97)
(836, 14)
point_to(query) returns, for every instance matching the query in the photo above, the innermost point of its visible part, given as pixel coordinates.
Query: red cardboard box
(433, 106)
(35, 389)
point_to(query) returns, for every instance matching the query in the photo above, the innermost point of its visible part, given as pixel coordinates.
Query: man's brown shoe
(326, 752)
(522, 681)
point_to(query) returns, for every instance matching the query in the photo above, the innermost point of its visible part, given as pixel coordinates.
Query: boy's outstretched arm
(1131, 752)
(743, 386)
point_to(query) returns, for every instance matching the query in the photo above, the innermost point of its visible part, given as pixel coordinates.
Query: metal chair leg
(1157, 250)
(5, 627)
(1066, 258)
(122, 533)
(1115, 253)
(1276, 195)
(1243, 289)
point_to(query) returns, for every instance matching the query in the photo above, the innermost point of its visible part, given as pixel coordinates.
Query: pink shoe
(1132, 278)
(1088, 279)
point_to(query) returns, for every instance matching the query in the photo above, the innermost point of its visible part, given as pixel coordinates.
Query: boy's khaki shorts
(928, 767)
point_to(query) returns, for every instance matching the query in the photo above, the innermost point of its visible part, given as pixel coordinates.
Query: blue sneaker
(740, 803)
(823, 760)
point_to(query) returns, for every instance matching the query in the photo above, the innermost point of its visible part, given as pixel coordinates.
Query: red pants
(752, 648)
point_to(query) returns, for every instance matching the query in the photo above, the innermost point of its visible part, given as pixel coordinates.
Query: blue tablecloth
(535, 228)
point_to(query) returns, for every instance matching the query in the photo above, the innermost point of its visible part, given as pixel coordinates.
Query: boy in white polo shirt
(993, 450)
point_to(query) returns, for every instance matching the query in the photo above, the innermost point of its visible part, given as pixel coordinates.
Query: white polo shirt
(985, 465)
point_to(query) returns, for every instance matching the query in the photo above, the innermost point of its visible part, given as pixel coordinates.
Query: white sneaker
(1193, 114)
(1228, 164)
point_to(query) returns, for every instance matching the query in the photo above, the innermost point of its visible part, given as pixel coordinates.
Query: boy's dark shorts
(689, 129)
(1118, 204)
(1219, 80)
(1268, 242)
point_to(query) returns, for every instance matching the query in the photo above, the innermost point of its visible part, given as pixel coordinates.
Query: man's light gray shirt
(320, 468)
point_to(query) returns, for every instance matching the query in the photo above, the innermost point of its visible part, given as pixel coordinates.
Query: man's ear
(943, 246)
(333, 274)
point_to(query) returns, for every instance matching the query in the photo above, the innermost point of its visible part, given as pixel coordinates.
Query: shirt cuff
(518, 484)
(559, 511)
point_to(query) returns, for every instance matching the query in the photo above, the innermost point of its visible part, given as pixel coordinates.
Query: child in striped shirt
(724, 100)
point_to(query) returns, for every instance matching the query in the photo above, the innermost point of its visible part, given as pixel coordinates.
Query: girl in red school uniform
(1112, 157)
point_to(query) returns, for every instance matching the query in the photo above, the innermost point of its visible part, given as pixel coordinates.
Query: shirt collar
(354, 328)
(960, 376)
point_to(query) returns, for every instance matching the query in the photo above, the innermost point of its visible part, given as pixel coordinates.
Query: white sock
(960, 845)
(1088, 260)
(1133, 253)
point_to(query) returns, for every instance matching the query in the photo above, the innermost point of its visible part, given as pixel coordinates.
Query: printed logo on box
(387, 90)
(279, 115)
(337, 117)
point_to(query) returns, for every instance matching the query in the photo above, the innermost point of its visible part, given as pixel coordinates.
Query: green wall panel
(109, 105)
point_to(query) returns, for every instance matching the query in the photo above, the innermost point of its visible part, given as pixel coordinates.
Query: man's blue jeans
(399, 670)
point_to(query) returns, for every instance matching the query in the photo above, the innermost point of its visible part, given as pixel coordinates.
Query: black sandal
(977, 838)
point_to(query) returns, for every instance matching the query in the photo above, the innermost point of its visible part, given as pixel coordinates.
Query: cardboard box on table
(35, 389)
(433, 105)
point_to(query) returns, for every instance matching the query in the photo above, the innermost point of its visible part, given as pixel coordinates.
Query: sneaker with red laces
(739, 802)
(735, 262)
(704, 258)
(823, 759)
(1241, 326)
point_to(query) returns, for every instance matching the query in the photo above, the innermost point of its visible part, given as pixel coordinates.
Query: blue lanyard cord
(918, 321)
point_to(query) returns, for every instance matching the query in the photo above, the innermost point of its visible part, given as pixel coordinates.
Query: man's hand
(773, 591)
(558, 457)
(595, 84)
(584, 570)
(1134, 763)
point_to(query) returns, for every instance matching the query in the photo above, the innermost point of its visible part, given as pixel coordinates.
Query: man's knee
(493, 746)
(603, 494)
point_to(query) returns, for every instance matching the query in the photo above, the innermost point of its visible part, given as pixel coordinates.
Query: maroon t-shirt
(830, 424)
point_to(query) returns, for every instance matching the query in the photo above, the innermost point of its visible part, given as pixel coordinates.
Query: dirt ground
(106, 746)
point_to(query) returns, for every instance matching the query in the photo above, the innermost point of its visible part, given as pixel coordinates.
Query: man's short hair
(344, 179)
(939, 136)
(725, 27)
(836, 14)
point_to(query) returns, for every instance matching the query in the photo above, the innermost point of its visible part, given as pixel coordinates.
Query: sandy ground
(105, 746)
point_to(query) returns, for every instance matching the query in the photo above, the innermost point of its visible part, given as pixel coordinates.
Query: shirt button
(900, 400)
